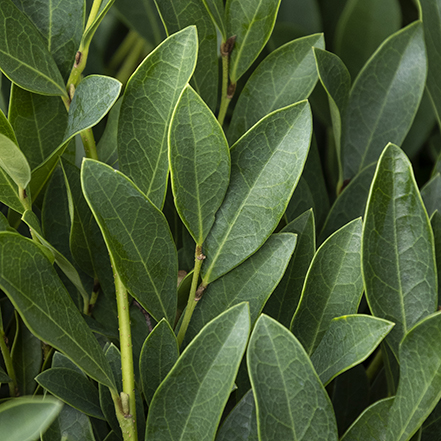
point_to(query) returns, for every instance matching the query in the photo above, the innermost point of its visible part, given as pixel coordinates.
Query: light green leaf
(285, 298)
(419, 389)
(333, 286)
(201, 381)
(199, 159)
(46, 307)
(24, 418)
(137, 236)
(291, 402)
(253, 281)
(241, 422)
(384, 99)
(435, 222)
(216, 10)
(193, 13)
(431, 194)
(90, 31)
(93, 98)
(159, 354)
(284, 77)
(6, 128)
(142, 141)
(348, 341)
(14, 162)
(399, 268)
(252, 24)
(72, 388)
(266, 164)
(24, 58)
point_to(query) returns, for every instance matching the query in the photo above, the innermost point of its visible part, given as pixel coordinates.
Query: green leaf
(6, 128)
(266, 164)
(159, 354)
(216, 10)
(399, 267)
(419, 389)
(72, 388)
(284, 77)
(14, 162)
(193, 12)
(137, 236)
(4, 378)
(384, 99)
(107, 147)
(61, 361)
(362, 28)
(304, 16)
(241, 422)
(46, 307)
(200, 382)
(333, 286)
(9, 192)
(253, 281)
(24, 58)
(285, 298)
(301, 201)
(435, 222)
(291, 402)
(252, 25)
(39, 122)
(199, 159)
(24, 418)
(431, 427)
(93, 98)
(90, 31)
(348, 341)
(4, 224)
(142, 141)
(431, 194)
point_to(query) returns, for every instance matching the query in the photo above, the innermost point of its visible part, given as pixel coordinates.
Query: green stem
(194, 295)
(225, 101)
(89, 144)
(93, 13)
(25, 200)
(374, 366)
(8, 363)
(132, 60)
(126, 404)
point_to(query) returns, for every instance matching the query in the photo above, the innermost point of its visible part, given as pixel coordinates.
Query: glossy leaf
(24, 58)
(146, 112)
(333, 286)
(284, 77)
(252, 25)
(34, 414)
(159, 354)
(419, 389)
(399, 266)
(253, 281)
(348, 341)
(46, 307)
(72, 388)
(291, 402)
(199, 158)
(137, 236)
(193, 12)
(216, 10)
(93, 98)
(384, 99)
(431, 195)
(266, 165)
(14, 162)
(285, 298)
(201, 380)
(241, 423)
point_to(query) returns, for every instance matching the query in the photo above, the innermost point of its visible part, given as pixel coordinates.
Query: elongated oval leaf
(46, 307)
(24, 58)
(24, 418)
(216, 10)
(384, 99)
(333, 286)
(200, 382)
(431, 195)
(146, 112)
(252, 24)
(286, 76)
(348, 341)
(6, 128)
(137, 236)
(72, 388)
(14, 162)
(291, 402)
(9, 192)
(199, 158)
(266, 164)
(399, 266)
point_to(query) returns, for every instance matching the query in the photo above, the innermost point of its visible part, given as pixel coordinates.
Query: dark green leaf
(333, 286)
(291, 402)
(216, 10)
(199, 163)
(107, 147)
(4, 224)
(61, 361)
(159, 354)
(142, 141)
(305, 16)
(9, 192)
(431, 194)
(6, 128)
(435, 222)
(13, 162)
(200, 382)
(266, 165)
(286, 76)
(137, 236)
(301, 201)
(432, 425)
(4, 378)
(399, 267)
